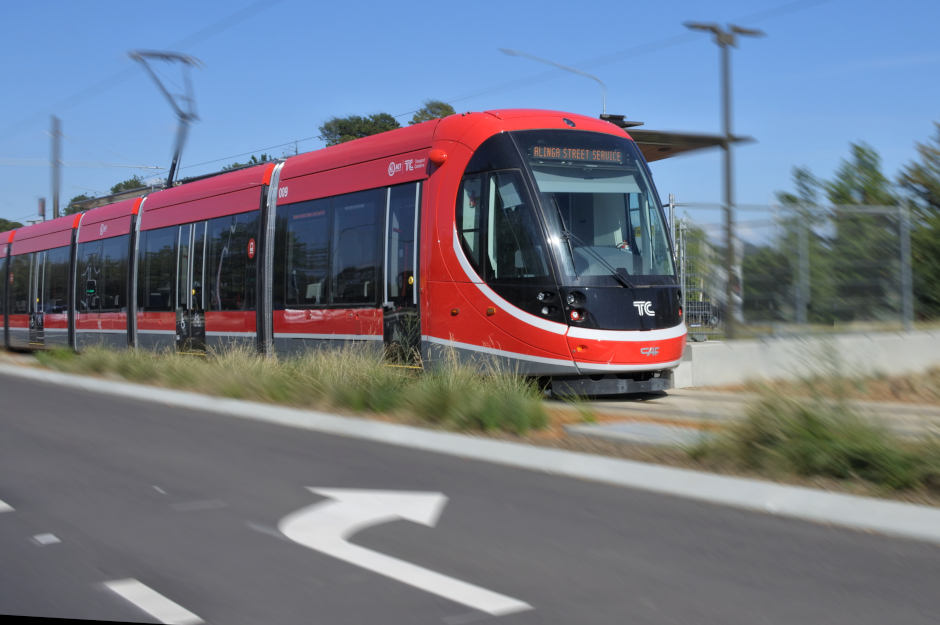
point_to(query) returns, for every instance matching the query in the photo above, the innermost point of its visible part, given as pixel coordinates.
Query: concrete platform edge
(860, 513)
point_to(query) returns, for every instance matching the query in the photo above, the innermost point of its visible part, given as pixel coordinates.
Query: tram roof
(466, 128)
(45, 235)
(111, 211)
(386, 144)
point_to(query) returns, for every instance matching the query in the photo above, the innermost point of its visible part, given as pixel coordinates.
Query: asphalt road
(188, 504)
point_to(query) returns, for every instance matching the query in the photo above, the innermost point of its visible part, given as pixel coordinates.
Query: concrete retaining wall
(720, 363)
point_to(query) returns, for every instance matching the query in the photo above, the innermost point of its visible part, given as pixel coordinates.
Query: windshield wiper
(564, 230)
(568, 235)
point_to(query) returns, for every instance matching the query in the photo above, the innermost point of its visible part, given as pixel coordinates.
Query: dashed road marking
(46, 539)
(159, 490)
(153, 603)
(199, 505)
(5, 507)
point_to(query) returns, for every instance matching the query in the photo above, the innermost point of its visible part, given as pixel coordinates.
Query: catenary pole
(56, 164)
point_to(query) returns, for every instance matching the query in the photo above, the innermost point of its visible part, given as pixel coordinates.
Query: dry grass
(913, 388)
(356, 378)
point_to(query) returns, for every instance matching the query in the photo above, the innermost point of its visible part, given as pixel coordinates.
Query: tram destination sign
(584, 155)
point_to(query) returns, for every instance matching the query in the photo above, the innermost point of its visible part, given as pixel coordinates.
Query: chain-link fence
(795, 269)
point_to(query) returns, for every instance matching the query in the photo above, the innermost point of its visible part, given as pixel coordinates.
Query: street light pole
(725, 39)
(600, 82)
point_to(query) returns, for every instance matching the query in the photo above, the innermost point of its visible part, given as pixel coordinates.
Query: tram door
(37, 266)
(402, 325)
(190, 305)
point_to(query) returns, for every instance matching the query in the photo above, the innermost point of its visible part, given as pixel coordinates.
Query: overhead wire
(654, 46)
(129, 72)
(606, 59)
(225, 158)
(235, 18)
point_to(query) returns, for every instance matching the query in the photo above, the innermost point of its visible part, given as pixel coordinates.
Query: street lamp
(600, 82)
(726, 39)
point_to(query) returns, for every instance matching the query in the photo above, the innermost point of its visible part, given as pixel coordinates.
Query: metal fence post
(802, 290)
(672, 221)
(907, 279)
(683, 286)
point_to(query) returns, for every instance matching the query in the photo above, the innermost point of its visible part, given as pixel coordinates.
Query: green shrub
(478, 396)
(816, 437)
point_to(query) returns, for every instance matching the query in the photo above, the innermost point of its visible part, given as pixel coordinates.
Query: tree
(853, 273)
(71, 210)
(921, 183)
(432, 109)
(921, 180)
(865, 249)
(135, 182)
(801, 231)
(806, 189)
(6, 224)
(859, 180)
(254, 160)
(342, 129)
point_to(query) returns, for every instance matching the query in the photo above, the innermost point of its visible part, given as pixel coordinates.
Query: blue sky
(824, 76)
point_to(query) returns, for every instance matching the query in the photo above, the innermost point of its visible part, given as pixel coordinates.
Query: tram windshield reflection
(601, 208)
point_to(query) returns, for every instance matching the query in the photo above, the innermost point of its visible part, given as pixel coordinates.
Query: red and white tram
(535, 237)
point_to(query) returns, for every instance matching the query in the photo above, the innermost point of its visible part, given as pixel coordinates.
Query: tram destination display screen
(581, 155)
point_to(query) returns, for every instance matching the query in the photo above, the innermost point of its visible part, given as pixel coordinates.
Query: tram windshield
(604, 218)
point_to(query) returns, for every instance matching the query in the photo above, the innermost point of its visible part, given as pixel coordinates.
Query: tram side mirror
(91, 287)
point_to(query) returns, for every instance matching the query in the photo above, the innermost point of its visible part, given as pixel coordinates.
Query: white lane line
(46, 539)
(199, 505)
(160, 490)
(153, 603)
(5, 507)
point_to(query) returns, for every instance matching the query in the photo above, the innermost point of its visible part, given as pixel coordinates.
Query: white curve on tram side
(542, 324)
(499, 352)
(628, 335)
(557, 328)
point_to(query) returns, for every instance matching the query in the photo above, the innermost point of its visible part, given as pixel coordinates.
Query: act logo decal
(394, 168)
(102, 229)
(645, 308)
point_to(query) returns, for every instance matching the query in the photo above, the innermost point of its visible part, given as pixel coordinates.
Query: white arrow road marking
(4, 507)
(326, 526)
(153, 603)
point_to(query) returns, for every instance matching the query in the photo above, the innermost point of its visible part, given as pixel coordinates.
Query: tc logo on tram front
(645, 308)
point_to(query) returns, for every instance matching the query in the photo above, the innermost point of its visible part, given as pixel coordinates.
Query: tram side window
(89, 276)
(470, 219)
(514, 239)
(19, 296)
(55, 281)
(400, 243)
(114, 298)
(101, 282)
(307, 261)
(3, 285)
(354, 245)
(231, 274)
(157, 267)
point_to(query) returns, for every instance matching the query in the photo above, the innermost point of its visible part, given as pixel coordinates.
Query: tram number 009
(281, 192)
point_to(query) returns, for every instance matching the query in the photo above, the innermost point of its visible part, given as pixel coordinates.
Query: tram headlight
(577, 315)
(571, 299)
